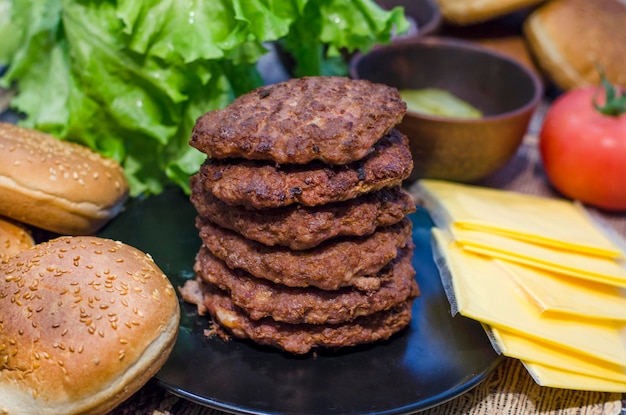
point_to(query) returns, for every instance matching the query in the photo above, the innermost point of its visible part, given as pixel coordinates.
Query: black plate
(437, 358)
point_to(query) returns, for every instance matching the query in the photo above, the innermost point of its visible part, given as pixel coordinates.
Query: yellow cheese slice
(557, 378)
(553, 293)
(536, 351)
(553, 222)
(580, 265)
(483, 293)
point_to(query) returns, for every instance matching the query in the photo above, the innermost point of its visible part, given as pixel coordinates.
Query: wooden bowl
(464, 150)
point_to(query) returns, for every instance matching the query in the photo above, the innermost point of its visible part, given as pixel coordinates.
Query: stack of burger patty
(306, 240)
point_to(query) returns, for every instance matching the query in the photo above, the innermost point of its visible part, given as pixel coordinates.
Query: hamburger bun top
(85, 323)
(13, 238)
(57, 185)
(571, 39)
(466, 12)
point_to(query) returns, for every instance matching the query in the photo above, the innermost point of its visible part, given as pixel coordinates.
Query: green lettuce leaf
(129, 78)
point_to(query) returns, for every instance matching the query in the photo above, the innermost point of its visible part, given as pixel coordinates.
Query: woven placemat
(511, 390)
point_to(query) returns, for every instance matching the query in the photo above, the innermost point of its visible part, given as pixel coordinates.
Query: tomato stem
(615, 100)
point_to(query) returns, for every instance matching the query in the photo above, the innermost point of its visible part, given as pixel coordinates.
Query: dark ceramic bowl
(463, 150)
(424, 16)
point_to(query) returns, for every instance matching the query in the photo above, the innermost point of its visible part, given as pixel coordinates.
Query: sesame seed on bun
(14, 237)
(84, 323)
(57, 185)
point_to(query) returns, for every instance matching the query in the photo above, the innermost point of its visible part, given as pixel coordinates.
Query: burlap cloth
(509, 390)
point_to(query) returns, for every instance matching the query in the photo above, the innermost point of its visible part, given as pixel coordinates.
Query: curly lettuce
(129, 78)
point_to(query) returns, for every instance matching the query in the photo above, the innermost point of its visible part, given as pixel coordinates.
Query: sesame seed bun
(570, 39)
(13, 238)
(56, 185)
(85, 323)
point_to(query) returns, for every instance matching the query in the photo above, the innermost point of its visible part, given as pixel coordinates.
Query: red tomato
(584, 151)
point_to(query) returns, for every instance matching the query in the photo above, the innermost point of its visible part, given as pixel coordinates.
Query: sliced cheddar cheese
(536, 351)
(552, 222)
(482, 292)
(575, 264)
(557, 378)
(554, 293)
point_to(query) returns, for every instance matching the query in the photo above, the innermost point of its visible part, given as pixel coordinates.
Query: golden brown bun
(13, 238)
(464, 12)
(85, 323)
(57, 185)
(569, 37)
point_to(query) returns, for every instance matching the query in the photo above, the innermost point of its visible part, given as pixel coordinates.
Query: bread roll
(13, 238)
(85, 323)
(464, 12)
(569, 38)
(57, 185)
